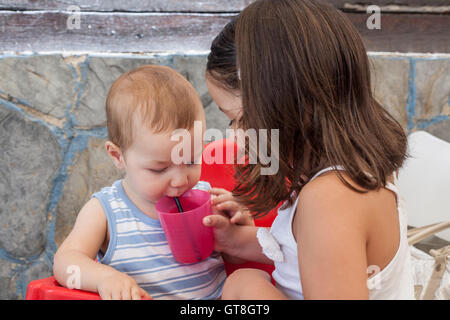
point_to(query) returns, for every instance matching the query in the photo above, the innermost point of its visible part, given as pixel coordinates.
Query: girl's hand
(225, 204)
(120, 286)
(224, 231)
(227, 218)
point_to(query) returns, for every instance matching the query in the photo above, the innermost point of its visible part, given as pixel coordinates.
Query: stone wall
(52, 132)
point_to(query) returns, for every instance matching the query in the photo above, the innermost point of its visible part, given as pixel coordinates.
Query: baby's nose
(179, 180)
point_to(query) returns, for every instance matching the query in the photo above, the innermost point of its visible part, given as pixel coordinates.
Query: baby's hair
(304, 70)
(157, 96)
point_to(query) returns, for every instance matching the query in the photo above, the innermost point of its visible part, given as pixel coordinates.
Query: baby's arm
(79, 249)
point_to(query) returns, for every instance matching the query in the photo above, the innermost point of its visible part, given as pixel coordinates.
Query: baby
(119, 225)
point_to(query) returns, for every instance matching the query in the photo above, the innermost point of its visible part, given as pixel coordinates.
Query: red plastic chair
(221, 175)
(49, 289)
(218, 174)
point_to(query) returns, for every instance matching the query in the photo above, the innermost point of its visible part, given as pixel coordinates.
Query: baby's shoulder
(92, 209)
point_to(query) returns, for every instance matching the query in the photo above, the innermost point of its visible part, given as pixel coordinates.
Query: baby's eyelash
(158, 171)
(231, 122)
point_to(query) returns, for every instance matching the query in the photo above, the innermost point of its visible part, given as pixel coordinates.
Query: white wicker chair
(424, 184)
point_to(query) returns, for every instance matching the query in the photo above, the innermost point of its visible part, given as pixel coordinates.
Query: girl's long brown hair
(304, 70)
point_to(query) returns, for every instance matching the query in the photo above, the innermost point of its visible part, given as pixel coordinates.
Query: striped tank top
(139, 248)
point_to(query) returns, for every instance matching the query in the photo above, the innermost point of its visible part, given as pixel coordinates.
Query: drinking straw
(177, 201)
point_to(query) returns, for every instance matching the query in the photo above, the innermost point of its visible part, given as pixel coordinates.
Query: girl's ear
(115, 153)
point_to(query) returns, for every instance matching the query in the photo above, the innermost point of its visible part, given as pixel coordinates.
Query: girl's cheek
(196, 177)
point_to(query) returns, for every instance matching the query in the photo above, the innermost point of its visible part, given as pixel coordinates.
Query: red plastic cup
(189, 240)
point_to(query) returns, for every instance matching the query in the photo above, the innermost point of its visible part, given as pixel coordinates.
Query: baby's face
(152, 162)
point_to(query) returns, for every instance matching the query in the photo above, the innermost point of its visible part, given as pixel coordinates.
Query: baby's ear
(115, 153)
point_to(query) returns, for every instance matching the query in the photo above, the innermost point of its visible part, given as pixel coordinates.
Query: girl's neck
(306, 157)
(307, 165)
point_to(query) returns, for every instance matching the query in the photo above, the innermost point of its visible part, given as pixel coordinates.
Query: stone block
(92, 169)
(39, 269)
(30, 159)
(8, 279)
(389, 80)
(432, 82)
(100, 74)
(440, 129)
(193, 68)
(45, 82)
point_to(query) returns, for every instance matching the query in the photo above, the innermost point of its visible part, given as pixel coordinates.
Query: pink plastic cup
(189, 240)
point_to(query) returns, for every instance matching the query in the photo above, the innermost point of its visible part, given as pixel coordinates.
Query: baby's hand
(120, 286)
(227, 206)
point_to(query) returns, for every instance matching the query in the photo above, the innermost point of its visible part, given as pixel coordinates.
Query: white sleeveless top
(395, 281)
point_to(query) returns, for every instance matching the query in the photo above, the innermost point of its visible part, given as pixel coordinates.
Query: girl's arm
(330, 230)
(236, 240)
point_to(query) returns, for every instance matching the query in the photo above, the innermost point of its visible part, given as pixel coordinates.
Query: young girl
(301, 67)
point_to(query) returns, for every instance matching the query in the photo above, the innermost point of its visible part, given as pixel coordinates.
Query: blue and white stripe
(138, 247)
